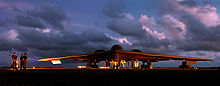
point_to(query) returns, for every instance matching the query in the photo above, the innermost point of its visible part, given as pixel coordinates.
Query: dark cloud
(114, 8)
(51, 14)
(199, 35)
(190, 3)
(28, 21)
(63, 42)
(2, 24)
(126, 27)
(119, 23)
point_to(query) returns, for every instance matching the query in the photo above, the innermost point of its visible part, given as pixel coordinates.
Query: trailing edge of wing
(164, 56)
(73, 57)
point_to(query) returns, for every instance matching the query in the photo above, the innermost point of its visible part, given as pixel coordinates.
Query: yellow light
(114, 63)
(56, 62)
(123, 63)
(82, 66)
(136, 65)
(104, 67)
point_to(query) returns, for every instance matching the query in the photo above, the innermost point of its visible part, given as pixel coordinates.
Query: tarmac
(109, 77)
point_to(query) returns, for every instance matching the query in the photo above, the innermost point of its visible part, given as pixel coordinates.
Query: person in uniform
(21, 62)
(25, 61)
(14, 61)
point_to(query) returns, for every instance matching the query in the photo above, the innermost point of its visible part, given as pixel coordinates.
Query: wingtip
(208, 59)
(211, 59)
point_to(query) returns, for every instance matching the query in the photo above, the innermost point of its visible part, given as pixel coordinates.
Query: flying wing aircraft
(117, 55)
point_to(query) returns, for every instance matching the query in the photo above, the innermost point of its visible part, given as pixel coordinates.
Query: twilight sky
(51, 28)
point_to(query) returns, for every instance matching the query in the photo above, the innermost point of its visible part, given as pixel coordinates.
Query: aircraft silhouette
(117, 55)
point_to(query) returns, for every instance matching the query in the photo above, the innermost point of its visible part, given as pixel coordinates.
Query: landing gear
(148, 66)
(186, 65)
(143, 66)
(89, 64)
(94, 65)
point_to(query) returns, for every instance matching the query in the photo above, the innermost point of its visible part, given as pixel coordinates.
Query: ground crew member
(14, 61)
(25, 61)
(22, 62)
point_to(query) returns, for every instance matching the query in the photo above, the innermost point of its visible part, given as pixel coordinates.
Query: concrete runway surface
(108, 77)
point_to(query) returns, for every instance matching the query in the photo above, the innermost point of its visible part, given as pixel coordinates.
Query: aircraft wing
(73, 57)
(147, 56)
(126, 55)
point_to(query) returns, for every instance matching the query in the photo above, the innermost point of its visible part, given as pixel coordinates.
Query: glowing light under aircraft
(82, 66)
(123, 63)
(136, 65)
(56, 62)
(104, 67)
